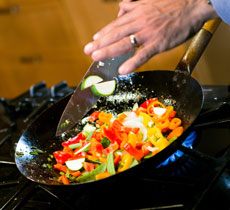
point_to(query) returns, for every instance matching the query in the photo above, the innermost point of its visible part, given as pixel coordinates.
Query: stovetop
(200, 179)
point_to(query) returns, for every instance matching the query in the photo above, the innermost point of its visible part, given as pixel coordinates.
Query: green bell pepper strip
(172, 139)
(91, 175)
(74, 146)
(134, 163)
(110, 164)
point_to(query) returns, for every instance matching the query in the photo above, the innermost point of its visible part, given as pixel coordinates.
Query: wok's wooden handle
(197, 46)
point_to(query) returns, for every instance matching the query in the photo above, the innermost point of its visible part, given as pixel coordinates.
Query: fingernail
(96, 55)
(122, 70)
(95, 37)
(88, 48)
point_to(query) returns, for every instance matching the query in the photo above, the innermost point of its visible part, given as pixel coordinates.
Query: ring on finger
(133, 41)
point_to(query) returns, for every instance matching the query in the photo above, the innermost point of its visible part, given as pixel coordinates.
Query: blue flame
(187, 143)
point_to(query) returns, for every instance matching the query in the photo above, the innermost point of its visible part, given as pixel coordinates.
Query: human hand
(158, 25)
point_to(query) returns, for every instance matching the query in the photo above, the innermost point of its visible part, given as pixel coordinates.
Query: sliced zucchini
(90, 80)
(75, 165)
(104, 88)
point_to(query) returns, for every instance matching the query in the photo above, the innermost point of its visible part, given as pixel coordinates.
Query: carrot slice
(64, 179)
(102, 175)
(75, 174)
(61, 167)
(176, 132)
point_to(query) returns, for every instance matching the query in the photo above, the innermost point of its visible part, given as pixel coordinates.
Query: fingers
(141, 56)
(113, 50)
(113, 36)
(122, 11)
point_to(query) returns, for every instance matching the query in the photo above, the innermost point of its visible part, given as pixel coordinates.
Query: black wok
(172, 88)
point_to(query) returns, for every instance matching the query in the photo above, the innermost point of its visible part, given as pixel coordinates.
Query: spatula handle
(197, 46)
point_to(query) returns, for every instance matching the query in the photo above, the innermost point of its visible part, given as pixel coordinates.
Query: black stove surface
(200, 179)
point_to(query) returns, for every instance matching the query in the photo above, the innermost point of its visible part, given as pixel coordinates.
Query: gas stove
(196, 177)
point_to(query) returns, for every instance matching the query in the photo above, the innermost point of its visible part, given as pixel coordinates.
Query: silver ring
(133, 41)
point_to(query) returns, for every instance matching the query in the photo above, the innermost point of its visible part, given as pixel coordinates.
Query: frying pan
(175, 88)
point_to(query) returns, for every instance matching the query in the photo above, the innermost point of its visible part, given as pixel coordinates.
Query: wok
(175, 88)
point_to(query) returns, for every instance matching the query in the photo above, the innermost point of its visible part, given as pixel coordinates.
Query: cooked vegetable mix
(111, 144)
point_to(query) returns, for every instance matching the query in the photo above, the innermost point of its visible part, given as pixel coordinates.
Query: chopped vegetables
(111, 144)
(91, 175)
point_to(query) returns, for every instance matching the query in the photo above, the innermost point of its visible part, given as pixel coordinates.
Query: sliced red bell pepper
(74, 140)
(117, 125)
(172, 115)
(147, 103)
(61, 156)
(164, 130)
(111, 136)
(117, 160)
(79, 155)
(111, 148)
(94, 116)
(97, 135)
(144, 147)
(137, 154)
